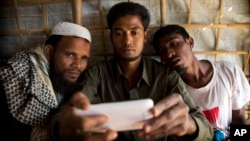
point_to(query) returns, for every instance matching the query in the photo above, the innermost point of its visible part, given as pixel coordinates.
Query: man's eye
(85, 58)
(174, 44)
(134, 33)
(69, 54)
(118, 34)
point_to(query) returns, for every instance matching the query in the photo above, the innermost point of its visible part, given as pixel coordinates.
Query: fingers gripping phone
(123, 116)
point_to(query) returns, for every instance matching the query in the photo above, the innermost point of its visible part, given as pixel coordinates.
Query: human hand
(78, 128)
(171, 117)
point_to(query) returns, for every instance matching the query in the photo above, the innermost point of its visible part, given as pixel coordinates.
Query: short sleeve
(241, 89)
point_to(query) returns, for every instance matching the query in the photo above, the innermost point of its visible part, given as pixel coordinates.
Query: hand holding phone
(125, 115)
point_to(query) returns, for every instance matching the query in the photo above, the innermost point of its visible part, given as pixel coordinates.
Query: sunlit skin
(70, 57)
(128, 37)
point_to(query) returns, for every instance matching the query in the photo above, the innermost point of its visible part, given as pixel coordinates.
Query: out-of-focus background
(220, 28)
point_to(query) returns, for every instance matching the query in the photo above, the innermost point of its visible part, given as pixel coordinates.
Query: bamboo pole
(190, 11)
(23, 31)
(18, 24)
(247, 25)
(163, 12)
(77, 11)
(101, 15)
(221, 10)
(96, 27)
(246, 64)
(219, 29)
(46, 19)
(220, 52)
(189, 14)
(41, 1)
(217, 42)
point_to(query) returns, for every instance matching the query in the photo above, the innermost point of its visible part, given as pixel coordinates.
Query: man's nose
(128, 39)
(170, 52)
(77, 62)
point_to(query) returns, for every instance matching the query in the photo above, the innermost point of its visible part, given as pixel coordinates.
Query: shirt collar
(118, 72)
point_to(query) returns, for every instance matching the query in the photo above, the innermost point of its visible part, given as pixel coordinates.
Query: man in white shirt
(219, 88)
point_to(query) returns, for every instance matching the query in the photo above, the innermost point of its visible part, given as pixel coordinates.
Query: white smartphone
(123, 116)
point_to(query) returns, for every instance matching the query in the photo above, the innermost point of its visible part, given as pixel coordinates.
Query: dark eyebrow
(166, 41)
(171, 38)
(85, 56)
(133, 28)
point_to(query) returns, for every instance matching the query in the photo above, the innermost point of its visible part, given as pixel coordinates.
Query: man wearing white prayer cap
(34, 81)
(71, 29)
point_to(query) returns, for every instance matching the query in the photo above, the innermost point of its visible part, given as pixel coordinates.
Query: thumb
(80, 100)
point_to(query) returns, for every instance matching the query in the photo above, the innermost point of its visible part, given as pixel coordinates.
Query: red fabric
(212, 114)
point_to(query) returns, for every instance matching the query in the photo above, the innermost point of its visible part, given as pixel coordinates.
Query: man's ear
(48, 51)
(191, 42)
(110, 36)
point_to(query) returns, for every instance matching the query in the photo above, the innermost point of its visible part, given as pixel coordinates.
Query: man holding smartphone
(130, 76)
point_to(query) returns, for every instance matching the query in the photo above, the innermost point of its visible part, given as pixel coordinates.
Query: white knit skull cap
(71, 29)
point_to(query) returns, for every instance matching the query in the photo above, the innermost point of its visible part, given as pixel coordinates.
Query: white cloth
(228, 90)
(71, 29)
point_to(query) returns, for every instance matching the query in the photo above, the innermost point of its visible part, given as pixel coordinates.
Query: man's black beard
(61, 85)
